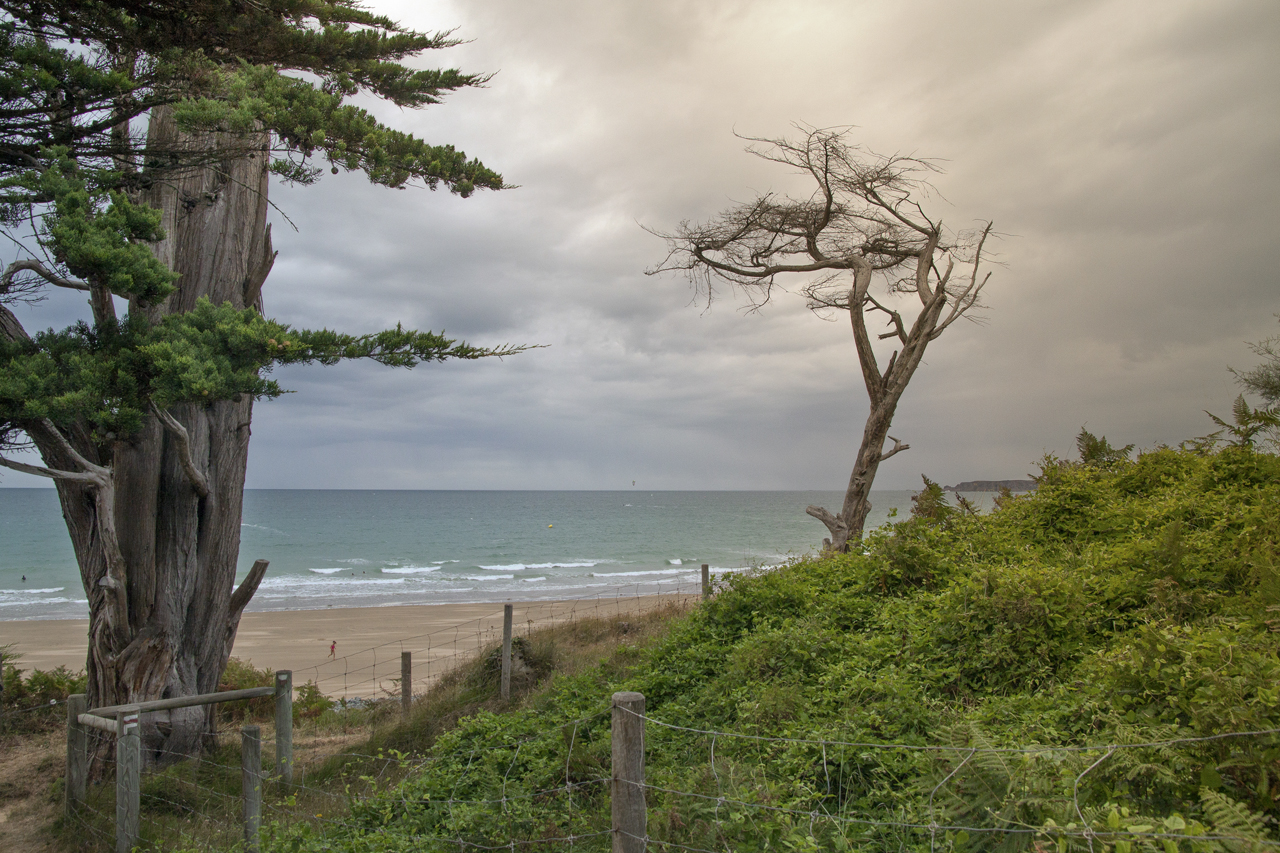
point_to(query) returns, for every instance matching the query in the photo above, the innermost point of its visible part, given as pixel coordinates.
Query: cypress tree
(137, 140)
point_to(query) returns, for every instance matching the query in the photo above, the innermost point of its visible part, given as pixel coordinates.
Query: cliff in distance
(992, 486)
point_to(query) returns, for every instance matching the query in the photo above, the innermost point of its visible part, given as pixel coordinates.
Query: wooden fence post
(251, 784)
(629, 811)
(506, 651)
(406, 681)
(128, 778)
(284, 725)
(706, 581)
(77, 753)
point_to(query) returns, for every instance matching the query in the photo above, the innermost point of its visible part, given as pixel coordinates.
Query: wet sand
(369, 639)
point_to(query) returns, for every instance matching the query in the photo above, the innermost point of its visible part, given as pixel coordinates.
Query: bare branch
(968, 297)
(52, 474)
(898, 447)
(61, 440)
(894, 317)
(248, 586)
(182, 440)
(32, 265)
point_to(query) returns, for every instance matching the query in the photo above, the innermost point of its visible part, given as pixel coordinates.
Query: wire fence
(741, 804)
(704, 790)
(374, 671)
(195, 799)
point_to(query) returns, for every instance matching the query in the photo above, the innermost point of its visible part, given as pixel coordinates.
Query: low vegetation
(343, 752)
(1093, 665)
(1034, 677)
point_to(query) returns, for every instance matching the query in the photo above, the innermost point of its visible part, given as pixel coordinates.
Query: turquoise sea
(347, 548)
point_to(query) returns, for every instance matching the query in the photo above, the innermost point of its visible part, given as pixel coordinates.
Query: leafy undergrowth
(31, 704)
(343, 754)
(1005, 681)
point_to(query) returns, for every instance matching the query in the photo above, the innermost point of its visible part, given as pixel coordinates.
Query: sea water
(347, 548)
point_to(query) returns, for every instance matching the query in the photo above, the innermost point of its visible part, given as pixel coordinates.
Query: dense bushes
(1122, 603)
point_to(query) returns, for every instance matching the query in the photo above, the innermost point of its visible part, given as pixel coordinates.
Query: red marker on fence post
(284, 725)
(128, 773)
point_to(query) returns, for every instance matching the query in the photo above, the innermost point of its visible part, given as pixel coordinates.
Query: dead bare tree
(864, 223)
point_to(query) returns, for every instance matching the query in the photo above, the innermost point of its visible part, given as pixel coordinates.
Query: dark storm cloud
(1127, 153)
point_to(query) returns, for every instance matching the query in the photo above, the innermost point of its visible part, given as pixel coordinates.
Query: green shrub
(1124, 602)
(310, 703)
(242, 675)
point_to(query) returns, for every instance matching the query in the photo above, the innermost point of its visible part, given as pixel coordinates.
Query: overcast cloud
(1129, 152)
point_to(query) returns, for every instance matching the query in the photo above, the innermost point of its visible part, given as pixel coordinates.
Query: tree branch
(898, 447)
(51, 473)
(239, 600)
(244, 592)
(32, 265)
(866, 355)
(103, 474)
(969, 296)
(834, 524)
(894, 317)
(182, 439)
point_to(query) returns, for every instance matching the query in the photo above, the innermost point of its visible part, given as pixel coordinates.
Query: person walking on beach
(333, 650)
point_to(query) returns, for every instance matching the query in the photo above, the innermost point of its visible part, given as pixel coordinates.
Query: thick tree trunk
(179, 548)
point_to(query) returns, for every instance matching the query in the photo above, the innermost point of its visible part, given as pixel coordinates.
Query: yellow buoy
(550, 525)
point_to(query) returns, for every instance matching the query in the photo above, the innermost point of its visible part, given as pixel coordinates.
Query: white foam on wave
(442, 562)
(295, 588)
(326, 571)
(411, 570)
(488, 577)
(260, 527)
(355, 561)
(286, 582)
(532, 580)
(44, 591)
(675, 562)
(58, 600)
(559, 564)
(637, 574)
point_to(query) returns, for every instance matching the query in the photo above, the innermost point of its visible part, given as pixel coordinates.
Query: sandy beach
(369, 639)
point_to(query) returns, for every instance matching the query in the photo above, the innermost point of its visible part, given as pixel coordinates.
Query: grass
(341, 754)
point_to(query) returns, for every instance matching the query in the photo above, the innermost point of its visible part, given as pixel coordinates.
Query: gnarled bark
(170, 515)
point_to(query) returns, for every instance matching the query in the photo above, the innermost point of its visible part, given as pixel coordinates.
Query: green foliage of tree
(108, 110)
(1133, 602)
(224, 65)
(112, 376)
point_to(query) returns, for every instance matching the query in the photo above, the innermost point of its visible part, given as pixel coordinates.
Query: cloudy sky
(1129, 154)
